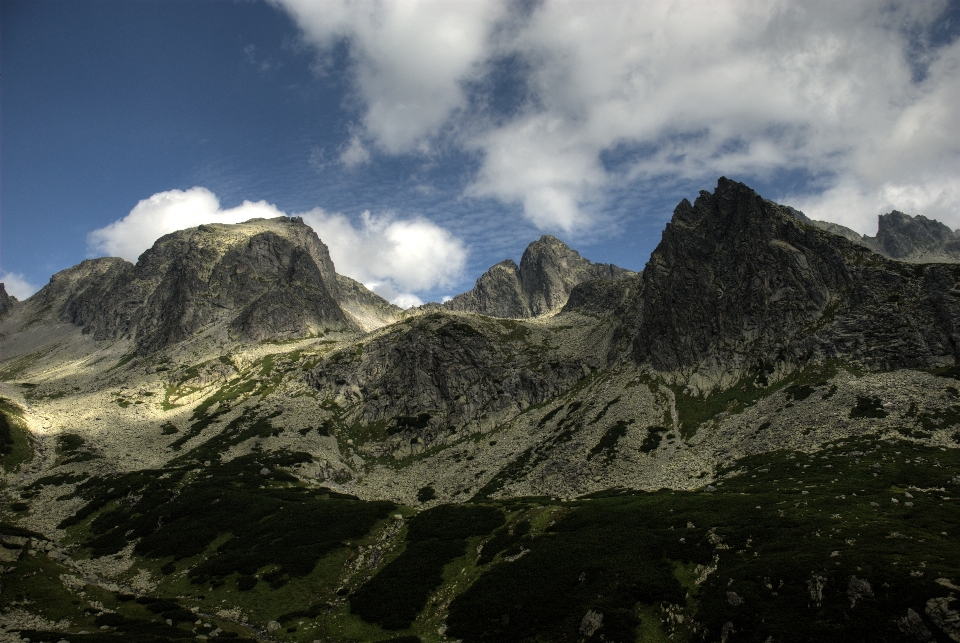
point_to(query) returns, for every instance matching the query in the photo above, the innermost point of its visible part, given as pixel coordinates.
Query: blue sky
(427, 140)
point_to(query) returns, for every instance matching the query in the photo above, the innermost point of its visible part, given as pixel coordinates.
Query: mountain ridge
(756, 436)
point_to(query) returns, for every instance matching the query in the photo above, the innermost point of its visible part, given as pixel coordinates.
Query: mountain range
(230, 430)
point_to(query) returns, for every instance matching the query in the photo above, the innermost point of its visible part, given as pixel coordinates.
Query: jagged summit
(741, 285)
(548, 272)
(915, 239)
(261, 279)
(7, 302)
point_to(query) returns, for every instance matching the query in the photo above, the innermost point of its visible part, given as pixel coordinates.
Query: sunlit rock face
(262, 279)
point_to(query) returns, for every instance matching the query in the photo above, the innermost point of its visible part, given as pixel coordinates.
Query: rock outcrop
(7, 302)
(915, 239)
(451, 371)
(542, 283)
(741, 286)
(262, 279)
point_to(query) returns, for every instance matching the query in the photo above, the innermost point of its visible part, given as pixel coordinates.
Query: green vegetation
(394, 597)
(694, 410)
(15, 447)
(766, 535)
(281, 525)
(608, 442)
(653, 438)
(772, 529)
(868, 407)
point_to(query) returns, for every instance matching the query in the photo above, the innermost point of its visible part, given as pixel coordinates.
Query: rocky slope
(915, 239)
(263, 279)
(7, 302)
(238, 428)
(548, 272)
(739, 287)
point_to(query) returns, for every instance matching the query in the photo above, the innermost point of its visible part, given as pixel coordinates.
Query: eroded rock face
(740, 285)
(915, 239)
(461, 372)
(918, 238)
(548, 272)
(263, 279)
(7, 302)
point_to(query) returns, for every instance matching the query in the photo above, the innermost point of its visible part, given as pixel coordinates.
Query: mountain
(263, 279)
(755, 438)
(915, 239)
(548, 272)
(7, 302)
(739, 286)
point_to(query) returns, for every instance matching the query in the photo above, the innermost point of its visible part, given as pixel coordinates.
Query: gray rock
(915, 239)
(857, 589)
(912, 625)
(741, 287)
(266, 278)
(7, 302)
(591, 622)
(548, 272)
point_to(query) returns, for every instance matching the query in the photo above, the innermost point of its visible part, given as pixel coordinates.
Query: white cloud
(410, 57)
(847, 91)
(355, 153)
(17, 285)
(166, 212)
(392, 257)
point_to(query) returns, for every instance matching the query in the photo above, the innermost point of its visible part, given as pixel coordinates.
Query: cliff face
(7, 302)
(548, 272)
(740, 286)
(915, 239)
(262, 279)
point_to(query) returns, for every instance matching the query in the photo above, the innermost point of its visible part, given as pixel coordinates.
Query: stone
(913, 626)
(548, 273)
(858, 588)
(591, 622)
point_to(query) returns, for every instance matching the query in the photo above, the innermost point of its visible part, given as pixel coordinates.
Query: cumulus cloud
(167, 212)
(17, 285)
(391, 256)
(409, 57)
(858, 94)
(355, 154)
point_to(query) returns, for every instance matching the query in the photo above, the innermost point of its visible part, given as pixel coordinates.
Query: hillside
(756, 438)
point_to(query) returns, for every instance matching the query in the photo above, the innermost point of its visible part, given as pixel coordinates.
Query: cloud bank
(559, 100)
(394, 257)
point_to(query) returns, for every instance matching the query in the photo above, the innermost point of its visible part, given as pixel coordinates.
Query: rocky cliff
(915, 239)
(261, 279)
(7, 302)
(548, 272)
(740, 286)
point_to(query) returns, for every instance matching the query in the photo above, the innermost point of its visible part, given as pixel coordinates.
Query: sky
(426, 140)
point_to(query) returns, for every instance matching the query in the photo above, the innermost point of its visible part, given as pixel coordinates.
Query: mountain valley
(756, 438)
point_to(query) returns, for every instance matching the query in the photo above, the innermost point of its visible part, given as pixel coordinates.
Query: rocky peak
(915, 239)
(901, 236)
(263, 278)
(739, 284)
(548, 272)
(7, 302)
